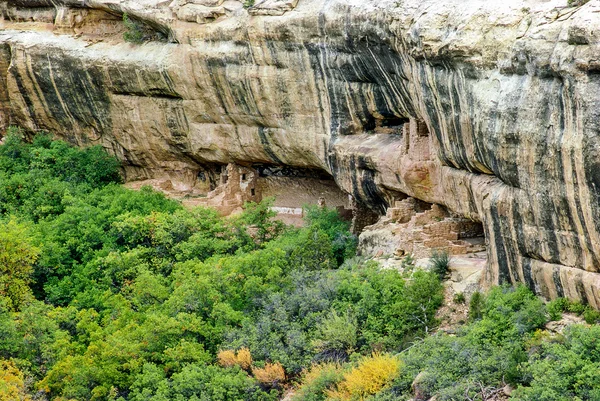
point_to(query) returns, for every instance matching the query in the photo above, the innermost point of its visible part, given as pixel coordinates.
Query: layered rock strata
(488, 108)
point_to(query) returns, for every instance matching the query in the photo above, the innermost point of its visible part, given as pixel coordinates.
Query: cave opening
(228, 187)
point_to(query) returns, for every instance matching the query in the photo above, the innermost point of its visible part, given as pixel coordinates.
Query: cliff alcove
(488, 109)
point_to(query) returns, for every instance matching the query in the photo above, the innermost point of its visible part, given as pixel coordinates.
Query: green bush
(317, 380)
(576, 307)
(328, 220)
(556, 308)
(591, 315)
(197, 382)
(486, 353)
(566, 369)
(37, 179)
(134, 30)
(476, 306)
(336, 336)
(459, 298)
(559, 305)
(261, 217)
(439, 263)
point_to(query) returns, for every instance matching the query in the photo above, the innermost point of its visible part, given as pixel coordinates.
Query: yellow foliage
(317, 370)
(368, 378)
(244, 358)
(271, 375)
(12, 385)
(228, 358)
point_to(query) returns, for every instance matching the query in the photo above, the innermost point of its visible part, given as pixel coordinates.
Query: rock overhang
(507, 92)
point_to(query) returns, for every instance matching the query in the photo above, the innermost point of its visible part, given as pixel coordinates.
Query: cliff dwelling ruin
(408, 226)
(495, 123)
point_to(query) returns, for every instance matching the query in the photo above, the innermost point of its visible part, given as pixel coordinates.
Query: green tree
(17, 256)
(257, 224)
(329, 221)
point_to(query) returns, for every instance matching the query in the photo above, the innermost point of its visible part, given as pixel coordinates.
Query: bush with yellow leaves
(228, 358)
(371, 376)
(244, 358)
(12, 385)
(272, 375)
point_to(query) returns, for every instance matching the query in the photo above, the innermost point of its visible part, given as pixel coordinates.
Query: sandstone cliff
(489, 108)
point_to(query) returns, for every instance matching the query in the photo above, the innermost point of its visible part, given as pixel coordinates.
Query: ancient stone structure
(487, 108)
(417, 228)
(291, 189)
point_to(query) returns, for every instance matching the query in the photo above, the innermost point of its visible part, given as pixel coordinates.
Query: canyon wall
(487, 108)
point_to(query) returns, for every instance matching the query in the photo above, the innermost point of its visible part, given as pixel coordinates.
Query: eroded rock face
(488, 108)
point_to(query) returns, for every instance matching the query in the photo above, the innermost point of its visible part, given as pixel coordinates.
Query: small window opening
(243, 177)
(252, 191)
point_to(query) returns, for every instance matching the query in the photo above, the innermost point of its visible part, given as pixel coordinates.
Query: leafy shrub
(272, 375)
(261, 217)
(439, 263)
(229, 358)
(564, 370)
(559, 305)
(454, 368)
(389, 309)
(459, 298)
(576, 307)
(591, 316)
(476, 306)
(336, 336)
(408, 263)
(12, 383)
(17, 256)
(369, 377)
(508, 313)
(317, 380)
(486, 353)
(556, 307)
(37, 179)
(134, 30)
(197, 382)
(244, 358)
(329, 221)
(312, 250)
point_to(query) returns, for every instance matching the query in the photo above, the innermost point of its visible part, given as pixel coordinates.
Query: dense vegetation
(113, 294)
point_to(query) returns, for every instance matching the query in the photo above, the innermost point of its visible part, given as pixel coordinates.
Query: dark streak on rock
(557, 283)
(267, 146)
(499, 246)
